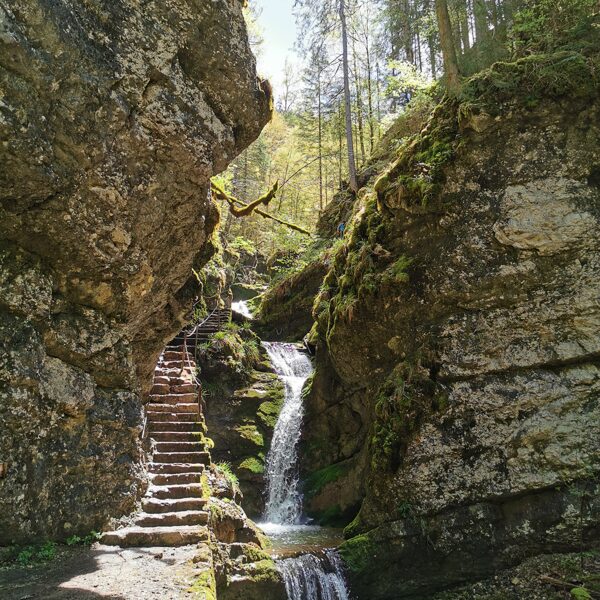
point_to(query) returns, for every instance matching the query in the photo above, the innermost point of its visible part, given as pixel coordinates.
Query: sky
(279, 31)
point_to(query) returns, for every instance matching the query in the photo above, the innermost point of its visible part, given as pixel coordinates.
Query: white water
(310, 577)
(241, 307)
(284, 500)
(317, 576)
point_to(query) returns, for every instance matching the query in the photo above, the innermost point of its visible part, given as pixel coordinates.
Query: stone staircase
(174, 507)
(202, 332)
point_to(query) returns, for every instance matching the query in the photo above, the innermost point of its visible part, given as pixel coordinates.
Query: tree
(448, 48)
(348, 98)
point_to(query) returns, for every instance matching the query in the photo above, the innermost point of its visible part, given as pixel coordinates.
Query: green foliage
(406, 78)
(580, 593)
(236, 345)
(547, 25)
(253, 464)
(397, 271)
(29, 555)
(402, 402)
(242, 244)
(88, 540)
(225, 469)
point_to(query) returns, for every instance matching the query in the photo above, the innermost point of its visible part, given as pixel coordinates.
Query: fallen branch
(565, 585)
(245, 210)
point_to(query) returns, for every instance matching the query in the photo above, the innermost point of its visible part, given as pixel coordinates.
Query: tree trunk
(359, 107)
(320, 110)
(448, 48)
(370, 94)
(348, 100)
(481, 21)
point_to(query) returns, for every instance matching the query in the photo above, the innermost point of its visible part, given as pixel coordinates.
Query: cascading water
(284, 500)
(241, 307)
(310, 577)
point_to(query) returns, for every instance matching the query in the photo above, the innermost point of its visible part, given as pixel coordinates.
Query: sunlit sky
(279, 31)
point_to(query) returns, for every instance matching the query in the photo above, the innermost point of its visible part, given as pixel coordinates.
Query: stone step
(175, 478)
(156, 505)
(175, 427)
(186, 388)
(191, 407)
(176, 436)
(172, 519)
(175, 355)
(171, 468)
(160, 388)
(175, 380)
(164, 417)
(156, 536)
(173, 398)
(186, 374)
(182, 457)
(178, 365)
(177, 446)
(172, 492)
(160, 379)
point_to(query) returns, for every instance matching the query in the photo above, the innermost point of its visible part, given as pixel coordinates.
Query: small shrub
(227, 471)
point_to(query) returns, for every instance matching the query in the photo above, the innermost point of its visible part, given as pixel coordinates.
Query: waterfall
(241, 307)
(310, 577)
(284, 500)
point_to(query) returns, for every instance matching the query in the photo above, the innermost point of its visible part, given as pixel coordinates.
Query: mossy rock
(204, 587)
(358, 553)
(268, 412)
(316, 481)
(251, 434)
(253, 465)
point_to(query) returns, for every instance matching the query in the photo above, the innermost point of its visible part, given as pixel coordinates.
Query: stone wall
(113, 118)
(458, 365)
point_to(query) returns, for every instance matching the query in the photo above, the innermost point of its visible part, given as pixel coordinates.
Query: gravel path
(105, 572)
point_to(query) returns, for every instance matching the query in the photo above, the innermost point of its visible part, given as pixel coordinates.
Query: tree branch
(253, 207)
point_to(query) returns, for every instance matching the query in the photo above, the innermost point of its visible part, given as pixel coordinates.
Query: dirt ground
(104, 572)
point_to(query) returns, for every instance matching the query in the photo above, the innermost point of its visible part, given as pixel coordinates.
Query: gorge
(403, 404)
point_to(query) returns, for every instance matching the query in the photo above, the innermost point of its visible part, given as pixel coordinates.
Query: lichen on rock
(457, 341)
(113, 119)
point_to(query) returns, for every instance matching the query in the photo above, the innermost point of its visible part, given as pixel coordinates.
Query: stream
(308, 562)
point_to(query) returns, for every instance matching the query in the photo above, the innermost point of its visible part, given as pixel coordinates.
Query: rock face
(113, 118)
(243, 400)
(458, 354)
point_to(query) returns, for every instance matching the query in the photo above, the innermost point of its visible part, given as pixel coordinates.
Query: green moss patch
(251, 434)
(358, 553)
(530, 79)
(205, 587)
(402, 403)
(252, 464)
(316, 481)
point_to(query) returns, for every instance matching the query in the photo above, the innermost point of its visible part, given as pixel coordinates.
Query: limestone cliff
(243, 399)
(113, 117)
(457, 390)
